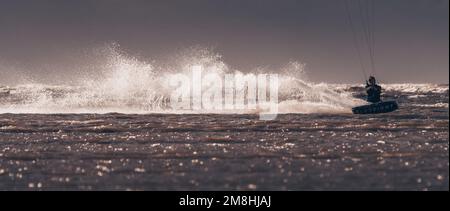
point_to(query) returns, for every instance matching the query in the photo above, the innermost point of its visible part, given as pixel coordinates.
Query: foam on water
(125, 84)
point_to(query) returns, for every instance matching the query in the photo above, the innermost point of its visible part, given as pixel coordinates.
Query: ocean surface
(66, 138)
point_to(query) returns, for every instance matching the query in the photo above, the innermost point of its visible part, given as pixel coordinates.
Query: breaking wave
(125, 84)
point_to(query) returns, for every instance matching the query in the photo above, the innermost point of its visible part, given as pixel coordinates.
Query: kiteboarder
(361, 19)
(373, 90)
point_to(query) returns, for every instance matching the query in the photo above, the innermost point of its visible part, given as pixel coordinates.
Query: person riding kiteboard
(361, 19)
(373, 90)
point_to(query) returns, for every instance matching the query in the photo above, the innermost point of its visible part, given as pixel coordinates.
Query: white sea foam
(411, 88)
(125, 84)
(434, 105)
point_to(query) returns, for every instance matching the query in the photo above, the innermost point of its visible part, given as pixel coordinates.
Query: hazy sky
(411, 36)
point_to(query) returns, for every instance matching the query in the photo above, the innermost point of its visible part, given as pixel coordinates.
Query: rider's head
(372, 80)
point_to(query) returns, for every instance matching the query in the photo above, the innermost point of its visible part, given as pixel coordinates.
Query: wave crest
(125, 84)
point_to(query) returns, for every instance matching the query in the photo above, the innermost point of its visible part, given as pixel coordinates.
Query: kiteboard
(376, 108)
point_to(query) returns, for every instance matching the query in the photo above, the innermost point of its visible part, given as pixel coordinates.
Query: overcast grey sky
(411, 36)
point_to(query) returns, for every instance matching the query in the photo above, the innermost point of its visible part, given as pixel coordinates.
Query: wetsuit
(373, 93)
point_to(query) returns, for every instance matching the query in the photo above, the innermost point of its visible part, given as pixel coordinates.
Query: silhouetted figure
(373, 90)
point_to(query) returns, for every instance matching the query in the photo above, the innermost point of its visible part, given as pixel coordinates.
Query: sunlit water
(118, 134)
